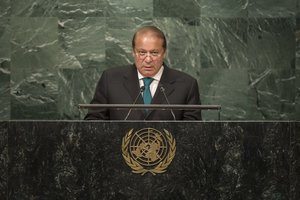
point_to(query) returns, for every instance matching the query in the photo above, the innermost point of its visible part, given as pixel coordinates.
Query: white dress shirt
(154, 83)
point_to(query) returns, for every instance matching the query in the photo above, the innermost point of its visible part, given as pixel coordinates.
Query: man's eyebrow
(146, 50)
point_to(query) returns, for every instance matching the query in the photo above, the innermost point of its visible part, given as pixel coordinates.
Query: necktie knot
(147, 81)
(147, 94)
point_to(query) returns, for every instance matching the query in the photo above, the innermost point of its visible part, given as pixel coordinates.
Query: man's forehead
(149, 41)
(147, 33)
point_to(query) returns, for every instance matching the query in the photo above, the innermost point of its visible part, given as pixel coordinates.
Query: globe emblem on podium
(148, 150)
(148, 147)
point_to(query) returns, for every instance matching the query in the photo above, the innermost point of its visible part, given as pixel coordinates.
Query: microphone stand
(162, 89)
(134, 102)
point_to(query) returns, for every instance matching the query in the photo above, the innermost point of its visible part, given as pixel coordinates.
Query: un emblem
(148, 150)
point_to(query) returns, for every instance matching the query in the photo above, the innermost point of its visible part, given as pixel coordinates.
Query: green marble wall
(244, 53)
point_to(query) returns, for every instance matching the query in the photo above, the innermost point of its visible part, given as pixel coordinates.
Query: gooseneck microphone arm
(134, 102)
(162, 89)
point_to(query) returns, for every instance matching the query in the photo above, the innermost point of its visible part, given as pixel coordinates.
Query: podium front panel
(211, 160)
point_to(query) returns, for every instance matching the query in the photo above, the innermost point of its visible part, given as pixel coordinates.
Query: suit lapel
(167, 82)
(131, 84)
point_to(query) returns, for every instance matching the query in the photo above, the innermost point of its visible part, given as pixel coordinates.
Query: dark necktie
(147, 94)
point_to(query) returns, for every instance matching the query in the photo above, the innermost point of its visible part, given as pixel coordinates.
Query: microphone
(134, 102)
(162, 89)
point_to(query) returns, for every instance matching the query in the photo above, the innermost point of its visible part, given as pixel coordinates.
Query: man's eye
(154, 53)
(142, 53)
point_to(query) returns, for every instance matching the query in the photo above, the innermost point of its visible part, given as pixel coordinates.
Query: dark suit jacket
(121, 86)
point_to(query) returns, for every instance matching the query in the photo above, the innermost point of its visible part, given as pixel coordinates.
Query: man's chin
(148, 73)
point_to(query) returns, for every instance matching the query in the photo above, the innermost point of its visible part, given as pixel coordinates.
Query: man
(147, 81)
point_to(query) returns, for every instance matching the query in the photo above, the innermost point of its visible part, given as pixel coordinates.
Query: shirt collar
(156, 77)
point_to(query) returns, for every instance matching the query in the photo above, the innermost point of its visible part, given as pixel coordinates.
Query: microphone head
(162, 88)
(142, 89)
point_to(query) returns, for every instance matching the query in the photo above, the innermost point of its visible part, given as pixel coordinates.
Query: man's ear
(165, 53)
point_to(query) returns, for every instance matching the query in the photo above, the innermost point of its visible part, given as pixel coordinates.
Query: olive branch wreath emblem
(137, 167)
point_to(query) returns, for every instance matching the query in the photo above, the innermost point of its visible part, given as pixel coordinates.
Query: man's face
(148, 54)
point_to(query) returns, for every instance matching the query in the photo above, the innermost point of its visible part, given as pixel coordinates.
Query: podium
(168, 107)
(213, 160)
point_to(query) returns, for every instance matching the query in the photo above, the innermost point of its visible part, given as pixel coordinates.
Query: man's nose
(148, 58)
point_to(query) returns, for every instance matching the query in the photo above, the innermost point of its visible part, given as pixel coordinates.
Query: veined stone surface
(244, 54)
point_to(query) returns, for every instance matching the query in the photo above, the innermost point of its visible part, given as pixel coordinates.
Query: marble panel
(35, 58)
(230, 89)
(298, 8)
(271, 48)
(3, 159)
(223, 43)
(223, 70)
(83, 41)
(224, 9)
(178, 8)
(297, 100)
(271, 8)
(78, 87)
(4, 69)
(264, 151)
(297, 39)
(130, 8)
(83, 160)
(4, 91)
(61, 8)
(34, 8)
(5, 33)
(295, 162)
(5, 8)
(81, 8)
